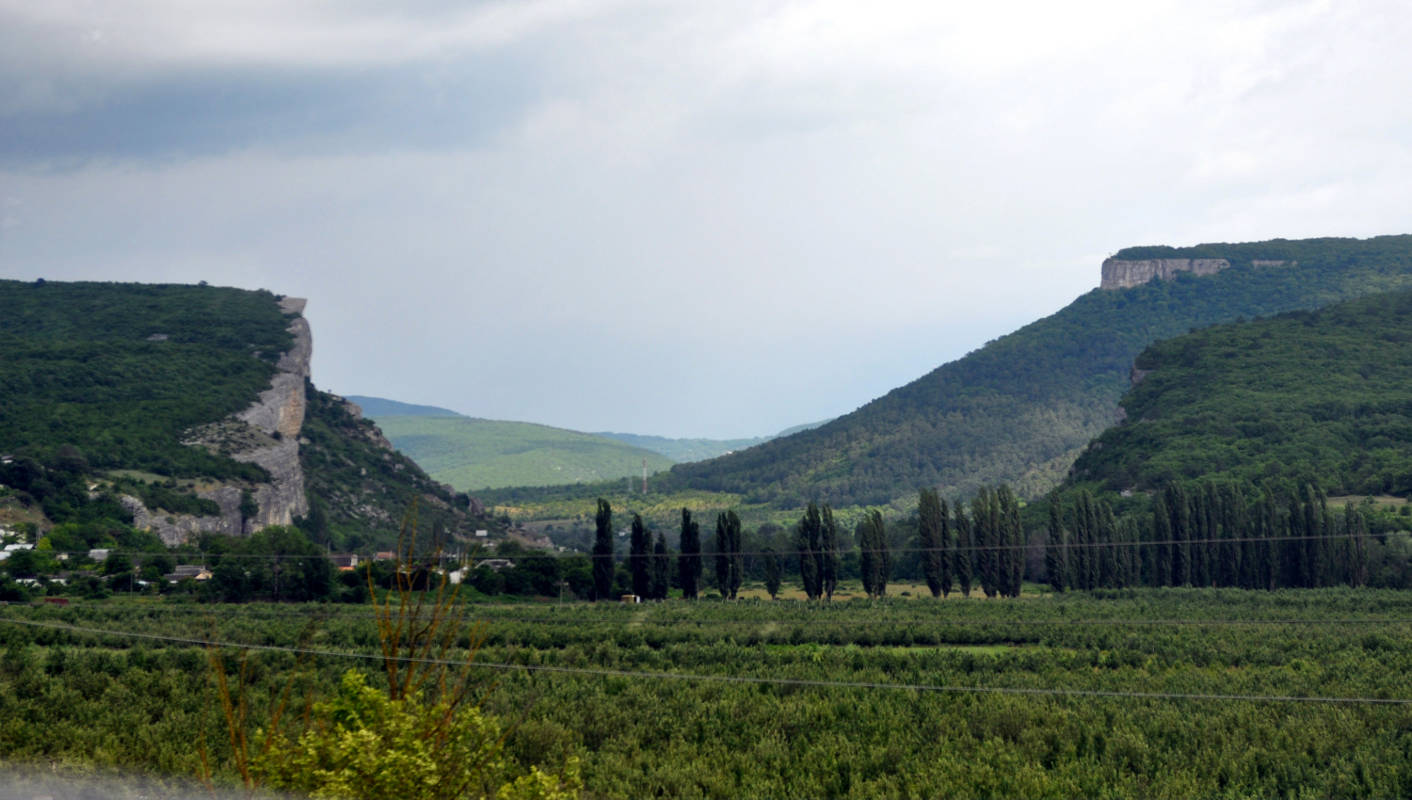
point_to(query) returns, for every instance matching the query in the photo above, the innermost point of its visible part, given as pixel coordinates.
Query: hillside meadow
(1151, 693)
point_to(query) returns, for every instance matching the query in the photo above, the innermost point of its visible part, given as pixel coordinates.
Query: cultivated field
(1152, 693)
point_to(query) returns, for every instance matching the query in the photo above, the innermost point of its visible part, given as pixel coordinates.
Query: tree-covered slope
(688, 450)
(108, 379)
(1322, 397)
(363, 486)
(121, 370)
(473, 454)
(1019, 409)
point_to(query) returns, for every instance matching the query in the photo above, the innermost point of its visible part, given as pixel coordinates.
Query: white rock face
(1123, 273)
(269, 436)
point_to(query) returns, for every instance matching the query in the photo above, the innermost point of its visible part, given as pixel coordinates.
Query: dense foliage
(1019, 409)
(122, 370)
(1312, 396)
(733, 731)
(363, 486)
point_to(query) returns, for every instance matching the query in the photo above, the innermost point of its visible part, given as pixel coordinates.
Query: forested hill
(1020, 409)
(147, 391)
(1321, 397)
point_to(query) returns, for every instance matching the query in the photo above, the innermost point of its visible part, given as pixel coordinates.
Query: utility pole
(644, 474)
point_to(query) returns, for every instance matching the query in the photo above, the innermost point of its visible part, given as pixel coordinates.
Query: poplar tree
(603, 551)
(661, 569)
(772, 572)
(729, 561)
(829, 561)
(689, 562)
(1056, 551)
(982, 533)
(874, 561)
(1012, 561)
(965, 549)
(639, 558)
(806, 541)
(1161, 538)
(723, 557)
(735, 537)
(929, 525)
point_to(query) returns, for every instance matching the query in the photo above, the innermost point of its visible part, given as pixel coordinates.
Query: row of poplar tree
(1197, 534)
(1208, 534)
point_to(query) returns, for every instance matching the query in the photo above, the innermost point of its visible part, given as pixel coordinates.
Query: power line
(803, 682)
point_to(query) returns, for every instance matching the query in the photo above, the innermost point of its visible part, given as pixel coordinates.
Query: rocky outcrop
(175, 529)
(266, 434)
(1121, 273)
(279, 414)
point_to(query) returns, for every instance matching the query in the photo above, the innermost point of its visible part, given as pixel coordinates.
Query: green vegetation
(377, 407)
(364, 488)
(122, 371)
(1321, 397)
(683, 450)
(1020, 409)
(793, 698)
(473, 454)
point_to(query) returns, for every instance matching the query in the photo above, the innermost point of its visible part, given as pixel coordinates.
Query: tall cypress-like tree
(1012, 575)
(983, 532)
(772, 572)
(723, 557)
(874, 561)
(806, 541)
(965, 549)
(929, 524)
(1162, 540)
(661, 569)
(829, 560)
(1108, 551)
(689, 563)
(734, 539)
(1180, 508)
(603, 551)
(640, 558)
(1056, 551)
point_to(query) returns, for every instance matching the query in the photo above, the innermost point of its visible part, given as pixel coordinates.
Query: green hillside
(1322, 397)
(688, 450)
(684, 450)
(121, 370)
(101, 382)
(376, 407)
(1021, 408)
(473, 454)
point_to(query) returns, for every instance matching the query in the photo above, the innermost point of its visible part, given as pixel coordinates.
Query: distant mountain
(682, 450)
(1020, 409)
(473, 454)
(374, 407)
(687, 450)
(1321, 397)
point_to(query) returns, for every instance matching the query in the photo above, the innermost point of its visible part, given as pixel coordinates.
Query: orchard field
(1130, 693)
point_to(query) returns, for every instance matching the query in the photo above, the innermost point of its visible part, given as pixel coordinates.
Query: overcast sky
(680, 218)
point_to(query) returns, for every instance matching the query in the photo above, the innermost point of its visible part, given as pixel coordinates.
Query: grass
(473, 454)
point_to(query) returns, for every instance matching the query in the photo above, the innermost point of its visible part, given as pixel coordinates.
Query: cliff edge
(267, 434)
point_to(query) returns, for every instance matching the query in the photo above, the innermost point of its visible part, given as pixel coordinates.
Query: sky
(680, 218)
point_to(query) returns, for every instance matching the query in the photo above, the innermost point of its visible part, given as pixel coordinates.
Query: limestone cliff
(1122, 273)
(267, 433)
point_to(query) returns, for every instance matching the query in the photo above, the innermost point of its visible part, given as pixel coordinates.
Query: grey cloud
(214, 112)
